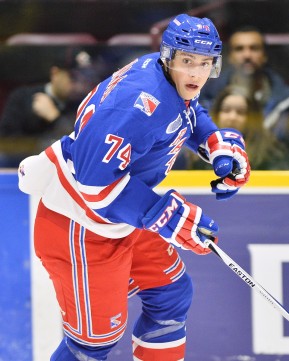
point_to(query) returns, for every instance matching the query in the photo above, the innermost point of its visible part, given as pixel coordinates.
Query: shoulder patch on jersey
(174, 125)
(146, 103)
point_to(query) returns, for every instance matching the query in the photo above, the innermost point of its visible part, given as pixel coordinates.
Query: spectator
(35, 115)
(248, 66)
(234, 108)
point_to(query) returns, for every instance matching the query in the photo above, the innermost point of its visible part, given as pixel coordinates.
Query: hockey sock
(160, 332)
(158, 340)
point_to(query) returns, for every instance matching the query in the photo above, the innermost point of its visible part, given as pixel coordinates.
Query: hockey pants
(93, 276)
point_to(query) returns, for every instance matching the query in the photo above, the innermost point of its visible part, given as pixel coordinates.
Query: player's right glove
(179, 222)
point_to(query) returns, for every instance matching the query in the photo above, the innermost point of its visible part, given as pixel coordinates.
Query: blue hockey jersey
(128, 133)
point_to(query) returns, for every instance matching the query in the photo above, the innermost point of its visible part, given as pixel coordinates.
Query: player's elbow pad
(34, 174)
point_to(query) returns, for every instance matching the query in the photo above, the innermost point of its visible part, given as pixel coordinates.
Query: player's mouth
(192, 86)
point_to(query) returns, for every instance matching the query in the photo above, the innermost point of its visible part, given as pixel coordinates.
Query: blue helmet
(192, 35)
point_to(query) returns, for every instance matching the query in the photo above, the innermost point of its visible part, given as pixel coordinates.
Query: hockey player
(101, 231)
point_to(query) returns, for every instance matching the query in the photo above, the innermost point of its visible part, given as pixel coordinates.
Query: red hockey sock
(165, 351)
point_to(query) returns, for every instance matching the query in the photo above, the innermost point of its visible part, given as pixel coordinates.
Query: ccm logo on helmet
(204, 42)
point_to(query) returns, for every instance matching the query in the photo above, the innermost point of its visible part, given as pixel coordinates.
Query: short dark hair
(248, 29)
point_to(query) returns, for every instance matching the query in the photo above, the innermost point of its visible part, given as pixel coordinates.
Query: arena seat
(51, 39)
(277, 39)
(135, 39)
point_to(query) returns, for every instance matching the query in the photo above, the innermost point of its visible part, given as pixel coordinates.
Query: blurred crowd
(35, 115)
(249, 96)
(252, 97)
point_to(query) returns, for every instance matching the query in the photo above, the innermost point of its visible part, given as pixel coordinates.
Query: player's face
(233, 112)
(247, 51)
(190, 72)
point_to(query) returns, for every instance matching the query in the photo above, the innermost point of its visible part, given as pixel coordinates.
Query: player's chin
(190, 92)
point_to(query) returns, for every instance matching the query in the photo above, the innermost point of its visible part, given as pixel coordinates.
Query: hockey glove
(226, 152)
(178, 222)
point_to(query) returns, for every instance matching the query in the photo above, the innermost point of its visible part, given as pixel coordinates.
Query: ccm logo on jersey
(165, 217)
(146, 103)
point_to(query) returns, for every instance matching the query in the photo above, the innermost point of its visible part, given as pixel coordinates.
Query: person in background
(101, 231)
(35, 115)
(235, 108)
(248, 67)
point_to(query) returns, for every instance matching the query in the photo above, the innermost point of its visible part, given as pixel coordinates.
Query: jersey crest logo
(174, 125)
(146, 103)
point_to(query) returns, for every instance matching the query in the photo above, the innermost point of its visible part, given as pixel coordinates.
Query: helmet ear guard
(166, 52)
(217, 66)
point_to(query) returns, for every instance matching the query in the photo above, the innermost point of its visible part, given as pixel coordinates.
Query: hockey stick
(249, 280)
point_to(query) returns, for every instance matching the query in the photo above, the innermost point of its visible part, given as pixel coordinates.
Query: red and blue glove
(179, 222)
(226, 152)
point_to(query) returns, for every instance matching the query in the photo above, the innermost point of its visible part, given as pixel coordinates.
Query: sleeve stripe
(69, 188)
(102, 194)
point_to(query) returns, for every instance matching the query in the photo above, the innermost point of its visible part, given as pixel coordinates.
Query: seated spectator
(248, 67)
(234, 108)
(36, 115)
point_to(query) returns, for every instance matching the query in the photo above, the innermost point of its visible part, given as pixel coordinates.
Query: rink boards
(227, 321)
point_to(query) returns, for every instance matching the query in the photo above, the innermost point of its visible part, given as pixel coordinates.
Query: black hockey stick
(249, 280)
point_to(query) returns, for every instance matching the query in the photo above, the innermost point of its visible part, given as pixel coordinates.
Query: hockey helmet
(192, 35)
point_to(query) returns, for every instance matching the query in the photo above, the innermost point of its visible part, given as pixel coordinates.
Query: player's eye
(206, 64)
(187, 61)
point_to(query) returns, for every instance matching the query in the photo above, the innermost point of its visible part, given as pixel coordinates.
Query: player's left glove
(226, 152)
(180, 223)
